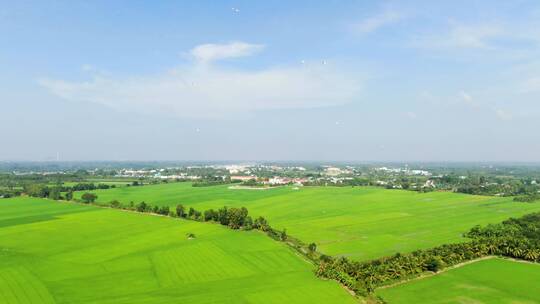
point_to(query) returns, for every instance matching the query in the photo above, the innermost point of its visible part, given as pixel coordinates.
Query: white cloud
(204, 90)
(376, 22)
(485, 106)
(88, 68)
(462, 36)
(411, 115)
(503, 115)
(206, 53)
(473, 36)
(466, 97)
(471, 102)
(531, 85)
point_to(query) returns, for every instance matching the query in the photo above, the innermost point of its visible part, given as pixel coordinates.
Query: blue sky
(272, 80)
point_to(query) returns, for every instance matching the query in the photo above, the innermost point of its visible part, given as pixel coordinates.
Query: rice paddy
(361, 222)
(53, 252)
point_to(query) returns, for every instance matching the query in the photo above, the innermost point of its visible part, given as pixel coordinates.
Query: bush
(89, 198)
(527, 198)
(435, 264)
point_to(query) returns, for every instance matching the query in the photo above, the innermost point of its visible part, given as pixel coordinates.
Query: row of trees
(525, 227)
(7, 193)
(529, 198)
(209, 183)
(12, 181)
(55, 192)
(516, 238)
(85, 186)
(234, 218)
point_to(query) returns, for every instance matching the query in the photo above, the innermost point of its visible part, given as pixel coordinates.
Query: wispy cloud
(204, 90)
(373, 23)
(473, 103)
(466, 97)
(411, 115)
(503, 115)
(212, 52)
(531, 85)
(465, 101)
(462, 36)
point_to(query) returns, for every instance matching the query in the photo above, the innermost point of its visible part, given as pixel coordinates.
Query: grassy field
(54, 252)
(488, 281)
(361, 223)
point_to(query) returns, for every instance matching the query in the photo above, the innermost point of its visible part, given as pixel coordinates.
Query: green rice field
(361, 222)
(53, 252)
(487, 281)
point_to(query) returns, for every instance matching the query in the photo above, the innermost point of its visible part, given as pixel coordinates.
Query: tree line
(516, 238)
(528, 198)
(234, 218)
(60, 191)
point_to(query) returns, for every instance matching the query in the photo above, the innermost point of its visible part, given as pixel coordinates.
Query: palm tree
(517, 252)
(531, 254)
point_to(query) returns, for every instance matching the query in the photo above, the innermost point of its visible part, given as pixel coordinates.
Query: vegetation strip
(516, 238)
(234, 218)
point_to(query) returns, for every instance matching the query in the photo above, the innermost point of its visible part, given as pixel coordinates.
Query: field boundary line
(517, 260)
(431, 274)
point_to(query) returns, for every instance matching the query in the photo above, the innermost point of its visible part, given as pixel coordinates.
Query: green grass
(54, 252)
(361, 223)
(487, 281)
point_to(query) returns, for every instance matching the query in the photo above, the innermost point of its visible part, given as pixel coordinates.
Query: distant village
(275, 175)
(481, 179)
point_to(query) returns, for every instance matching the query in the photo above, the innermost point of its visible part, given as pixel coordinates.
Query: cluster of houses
(428, 184)
(155, 173)
(405, 170)
(273, 181)
(246, 173)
